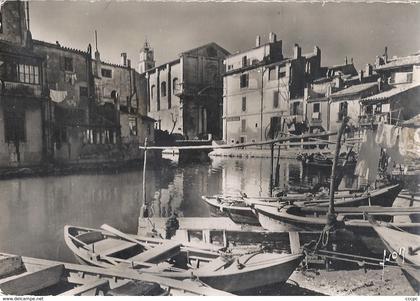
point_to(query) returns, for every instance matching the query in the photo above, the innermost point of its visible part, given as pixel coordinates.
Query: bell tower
(14, 22)
(147, 60)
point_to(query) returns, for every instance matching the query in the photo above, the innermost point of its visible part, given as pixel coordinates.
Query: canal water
(33, 211)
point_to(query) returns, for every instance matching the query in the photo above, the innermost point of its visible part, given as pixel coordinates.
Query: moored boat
(313, 219)
(405, 250)
(177, 261)
(241, 209)
(32, 276)
(237, 210)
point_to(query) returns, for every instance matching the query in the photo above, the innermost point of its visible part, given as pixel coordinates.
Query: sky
(359, 31)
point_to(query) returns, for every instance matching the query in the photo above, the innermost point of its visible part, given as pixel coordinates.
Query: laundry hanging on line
(58, 96)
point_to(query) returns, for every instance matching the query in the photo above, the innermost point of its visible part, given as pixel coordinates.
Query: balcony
(373, 119)
(21, 89)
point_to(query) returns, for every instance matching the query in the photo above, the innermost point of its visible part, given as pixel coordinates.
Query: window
(275, 127)
(282, 72)
(175, 85)
(244, 61)
(316, 111)
(342, 112)
(28, 74)
(68, 64)
(14, 125)
(295, 108)
(132, 125)
(243, 104)
(153, 92)
(106, 73)
(272, 73)
(409, 77)
(275, 99)
(83, 91)
(243, 125)
(244, 80)
(163, 89)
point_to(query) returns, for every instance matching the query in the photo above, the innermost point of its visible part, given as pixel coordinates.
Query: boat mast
(143, 207)
(331, 210)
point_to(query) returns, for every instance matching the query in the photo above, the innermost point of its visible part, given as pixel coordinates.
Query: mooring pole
(143, 207)
(271, 169)
(331, 210)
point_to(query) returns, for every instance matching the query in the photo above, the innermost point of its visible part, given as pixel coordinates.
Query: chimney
(368, 70)
(379, 81)
(258, 41)
(386, 54)
(360, 75)
(129, 63)
(297, 51)
(272, 37)
(345, 61)
(124, 59)
(351, 60)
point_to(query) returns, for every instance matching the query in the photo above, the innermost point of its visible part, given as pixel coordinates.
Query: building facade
(22, 91)
(398, 99)
(264, 91)
(65, 105)
(184, 96)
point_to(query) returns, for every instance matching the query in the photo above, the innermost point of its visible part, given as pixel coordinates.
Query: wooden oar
(123, 235)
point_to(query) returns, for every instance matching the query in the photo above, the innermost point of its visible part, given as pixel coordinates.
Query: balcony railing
(21, 89)
(374, 119)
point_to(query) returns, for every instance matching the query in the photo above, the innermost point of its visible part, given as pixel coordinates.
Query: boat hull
(246, 279)
(238, 214)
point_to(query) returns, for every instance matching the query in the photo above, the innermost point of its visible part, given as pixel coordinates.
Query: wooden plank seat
(10, 264)
(137, 288)
(90, 237)
(29, 282)
(158, 253)
(91, 288)
(111, 246)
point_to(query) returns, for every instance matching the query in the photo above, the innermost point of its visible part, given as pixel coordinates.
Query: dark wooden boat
(174, 260)
(241, 209)
(296, 219)
(326, 162)
(31, 276)
(406, 247)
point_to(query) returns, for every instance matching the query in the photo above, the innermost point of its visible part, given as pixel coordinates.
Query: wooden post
(271, 169)
(334, 167)
(143, 207)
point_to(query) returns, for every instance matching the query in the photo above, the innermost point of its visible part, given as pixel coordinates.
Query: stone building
(184, 95)
(61, 104)
(22, 91)
(263, 90)
(67, 84)
(317, 95)
(399, 95)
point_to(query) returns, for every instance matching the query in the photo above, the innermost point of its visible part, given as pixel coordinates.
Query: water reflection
(34, 211)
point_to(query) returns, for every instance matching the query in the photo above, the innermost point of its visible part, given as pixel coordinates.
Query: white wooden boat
(112, 248)
(406, 248)
(31, 276)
